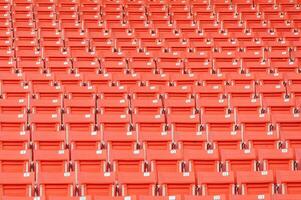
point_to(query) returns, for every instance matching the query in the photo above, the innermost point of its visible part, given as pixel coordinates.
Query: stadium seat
(239, 160)
(258, 183)
(16, 185)
(174, 183)
(216, 183)
(150, 100)
(290, 181)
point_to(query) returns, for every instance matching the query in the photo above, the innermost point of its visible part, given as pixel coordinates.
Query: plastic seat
(290, 181)
(215, 80)
(113, 198)
(247, 106)
(169, 63)
(295, 90)
(80, 93)
(45, 122)
(199, 158)
(142, 63)
(213, 106)
(46, 106)
(129, 80)
(14, 161)
(207, 197)
(225, 62)
(116, 127)
(16, 91)
(132, 162)
(30, 64)
(180, 107)
(112, 92)
(254, 64)
(174, 183)
(15, 185)
(67, 79)
(49, 140)
(133, 100)
(97, 184)
(183, 79)
(86, 158)
(239, 160)
(208, 92)
(113, 63)
(286, 196)
(86, 63)
(177, 92)
(58, 63)
(13, 123)
(215, 183)
(8, 78)
(258, 130)
(84, 123)
(244, 79)
(276, 159)
(53, 185)
(258, 183)
(80, 106)
(266, 79)
(137, 184)
(20, 198)
(147, 107)
(160, 197)
(48, 92)
(51, 161)
(113, 107)
(222, 129)
(7, 60)
(197, 62)
(145, 92)
(293, 78)
(14, 140)
(271, 91)
(98, 79)
(155, 79)
(67, 198)
(250, 197)
(287, 126)
(240, 91)
(101, 43)
(151, 127)
(185, 127)
(14, 106)
(39, 79)
(163, 156)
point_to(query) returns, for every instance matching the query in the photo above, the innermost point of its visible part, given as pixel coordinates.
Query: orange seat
(97, 184)
(14, 106)
(185, 127)
(56, 185)
(207, 197)
(151, 127)
(273, 159)
(174, 183)
(16, 185)
(164, 156)
(127, 157)
(287, 126)
(215, 183)
(239, 160)
(290, 181)
(257, 183)
(137, 184)
(116, 127)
